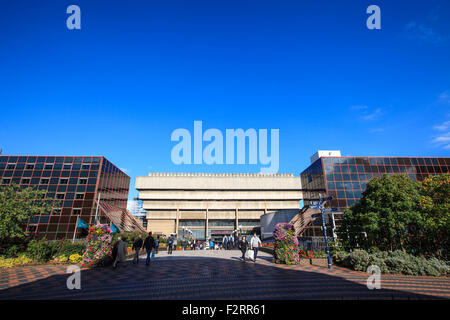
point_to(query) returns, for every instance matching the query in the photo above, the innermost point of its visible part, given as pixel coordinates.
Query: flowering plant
(286, 244)
(98, 245)
(311, 254)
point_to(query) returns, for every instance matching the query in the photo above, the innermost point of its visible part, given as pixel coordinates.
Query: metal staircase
(303, 218)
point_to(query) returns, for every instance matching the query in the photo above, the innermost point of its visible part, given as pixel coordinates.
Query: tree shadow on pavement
(202, 278)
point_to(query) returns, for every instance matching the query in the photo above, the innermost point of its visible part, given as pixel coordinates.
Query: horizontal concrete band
(220, 195)
(218, 183)
(203, 205)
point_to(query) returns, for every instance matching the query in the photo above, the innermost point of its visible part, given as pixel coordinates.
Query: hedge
(396, 262)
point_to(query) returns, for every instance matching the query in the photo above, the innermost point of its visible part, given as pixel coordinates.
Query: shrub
(11, 262)
(359, 259)
(41, 250)
(341, 258)
(14, 251)
(68, 248)
(75, 258)
(392, 262)
(62, 258)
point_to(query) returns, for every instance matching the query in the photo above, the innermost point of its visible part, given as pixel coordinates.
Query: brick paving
(214, 275)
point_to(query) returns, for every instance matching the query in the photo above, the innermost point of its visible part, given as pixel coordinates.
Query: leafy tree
(386, 217)
(16, 206)
(435, 206)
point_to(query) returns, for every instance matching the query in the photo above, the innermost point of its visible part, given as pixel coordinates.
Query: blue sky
(137, 70)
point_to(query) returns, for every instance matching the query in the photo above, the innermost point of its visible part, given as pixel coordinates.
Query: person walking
(149, 244)
(254, 244)
(224, 242)
(157, 244)
(175, 242)
(114, 250)
(230, 242)
(243, 246)
(121, 255)
(169, 245)
(137, 245)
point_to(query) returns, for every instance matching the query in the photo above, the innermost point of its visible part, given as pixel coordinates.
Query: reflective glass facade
(72, 185)
(345, 178)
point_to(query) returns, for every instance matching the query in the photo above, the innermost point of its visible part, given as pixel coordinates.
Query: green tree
(435, 206)
(386, 217)
(16, 206)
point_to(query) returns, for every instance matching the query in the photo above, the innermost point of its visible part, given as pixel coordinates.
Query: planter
(314, 261)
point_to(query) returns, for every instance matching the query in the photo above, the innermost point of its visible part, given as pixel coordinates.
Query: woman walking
(243, 245)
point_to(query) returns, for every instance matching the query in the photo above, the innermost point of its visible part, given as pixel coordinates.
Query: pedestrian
(185, 244)
(254, 244)
(137, 245)
(157, 244)
(243, 245)
(230, 242)
(169, 245)
(114, 250)
(121, 255)
(149, 244)
(175, 242)
(224, 242)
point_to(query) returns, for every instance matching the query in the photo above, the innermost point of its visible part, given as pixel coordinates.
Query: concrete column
(177, 221)
(206, 231)
(237, 219)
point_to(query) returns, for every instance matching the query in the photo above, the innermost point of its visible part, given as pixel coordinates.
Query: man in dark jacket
(137, 245)
(169, 245)
(149, 244)
(243, 245)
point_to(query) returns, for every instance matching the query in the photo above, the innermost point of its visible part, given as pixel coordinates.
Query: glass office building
(72, 185)
(345, 178)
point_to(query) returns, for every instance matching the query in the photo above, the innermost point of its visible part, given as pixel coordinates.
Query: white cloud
(444, 97)
(443, 127)
(443, 139)
(417, 31)
(373, 115)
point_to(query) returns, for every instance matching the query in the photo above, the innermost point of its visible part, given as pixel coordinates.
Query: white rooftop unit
(325, 153)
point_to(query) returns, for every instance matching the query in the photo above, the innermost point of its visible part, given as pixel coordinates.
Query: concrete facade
(212, 205)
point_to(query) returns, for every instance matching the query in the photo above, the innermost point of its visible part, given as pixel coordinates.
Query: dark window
(11, 166)
(32, 228)
(26, 181)
(79, 196)
(85, 167)
(63, 181)
(45, 181)
(48, 167)
(60, 196)
(6, 181)
(67, 166)
(76, 212)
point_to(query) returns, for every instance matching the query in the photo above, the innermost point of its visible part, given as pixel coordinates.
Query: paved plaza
(213, 275)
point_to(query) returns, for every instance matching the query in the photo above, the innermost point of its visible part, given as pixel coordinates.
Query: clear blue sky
(137, 70)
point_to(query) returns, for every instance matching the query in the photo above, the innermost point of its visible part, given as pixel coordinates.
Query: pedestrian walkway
(213, 275)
